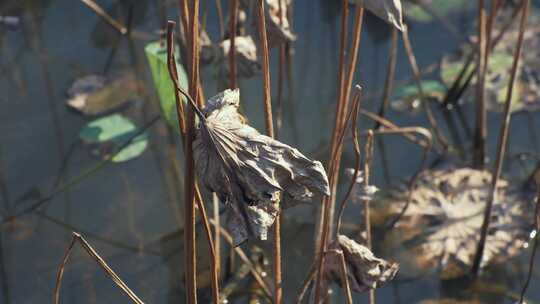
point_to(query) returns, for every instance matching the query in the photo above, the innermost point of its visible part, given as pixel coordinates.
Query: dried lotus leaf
(96, 95)
(246, 54)
(388, 10)
(364, 270)
(253, 175)
(441, 225)
(279, 29)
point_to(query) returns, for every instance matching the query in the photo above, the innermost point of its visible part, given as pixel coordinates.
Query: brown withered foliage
(246, 56)
(365, 271)
(253, 175)
(442, 222)
(388, 10)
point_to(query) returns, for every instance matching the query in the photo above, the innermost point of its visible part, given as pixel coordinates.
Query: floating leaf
(96, 95)
(253, 175)
(388, 10)
(407, 97)
(364, 270)
(497, 78)
(156, 54)
(439, 8)
(111, 132)
(442, 222)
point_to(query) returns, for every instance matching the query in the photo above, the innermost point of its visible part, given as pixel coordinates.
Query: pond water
(131, 212)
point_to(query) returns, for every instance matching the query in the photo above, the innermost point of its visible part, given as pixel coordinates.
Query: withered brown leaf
(388, 10)
(364, 270)
(252, 174)
(246, 54)
(441, 225)
(279, 28)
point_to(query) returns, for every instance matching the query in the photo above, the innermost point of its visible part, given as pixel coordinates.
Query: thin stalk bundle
(76, 237)
(267, 103)
(503, 138)
(345, 75)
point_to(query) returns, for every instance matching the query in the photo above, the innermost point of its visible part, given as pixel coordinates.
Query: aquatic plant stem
(390, 75)
(215, 258)
(101, 262)
(535, 245)
(238, 250)
(323, 230)
(281, 71)
(343, 91)
(219, 10)
(459, 86)
(479, 146)
(103, 14)
(356, 145)
(189, 221)
(63, 187)
(343, 273)
(368, 156)
(233, 20)
(425, 103)
(261, 26)
(482, 63)
(503, 138)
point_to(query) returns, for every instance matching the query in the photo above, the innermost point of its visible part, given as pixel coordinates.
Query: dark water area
(131, 212)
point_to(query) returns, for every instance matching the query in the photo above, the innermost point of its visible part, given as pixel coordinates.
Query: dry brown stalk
(238, 250)
(278, 289)
(233, 15)
(181, 121)
(503, 138)
(103, 14)
(417, 77)
(324, 217)
(390, 75)
(484, 41)
(535, 245)
(219, 10)
(367, 166)
(343, 273)
(343, 92)
(462, 81)
(479, 147)
(354, 112)
(101, 262)
(189, 221)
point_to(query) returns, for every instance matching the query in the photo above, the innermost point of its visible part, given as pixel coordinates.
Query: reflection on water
(131, 212)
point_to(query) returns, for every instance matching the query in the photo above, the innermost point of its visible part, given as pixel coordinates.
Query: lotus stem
(503, 138)
(233, 20)
(417, 77)
(535, 245)
(278, 288)
(325, 215)
(368, 156)
(76, 237)
(479, 147)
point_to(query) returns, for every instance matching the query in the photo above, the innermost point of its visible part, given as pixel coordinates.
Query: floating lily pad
(96, 94)
(441, 226)
(109, 133)
(407, 97)
(156, 54)
(439, 7)
(526, 91)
